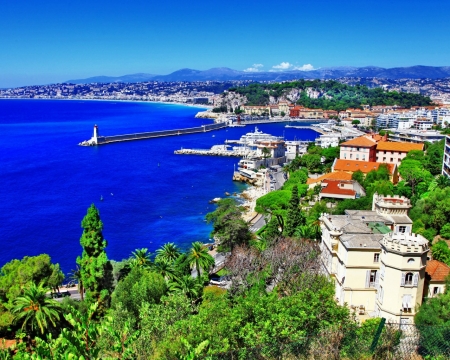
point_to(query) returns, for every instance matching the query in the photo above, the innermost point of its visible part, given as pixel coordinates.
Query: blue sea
(150, 196)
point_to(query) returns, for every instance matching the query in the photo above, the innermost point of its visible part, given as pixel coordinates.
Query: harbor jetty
(96, 139)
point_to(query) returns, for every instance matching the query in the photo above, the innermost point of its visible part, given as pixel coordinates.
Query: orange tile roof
(398, 146)
(361, 141)
(437, 270)
(333, 188)
(355, 165)
(337, 175)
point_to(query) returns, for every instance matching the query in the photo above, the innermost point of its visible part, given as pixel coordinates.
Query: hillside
(327, 95)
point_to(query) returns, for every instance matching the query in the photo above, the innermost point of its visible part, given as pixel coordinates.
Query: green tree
(199, 258)
(141, 258)
(188, 286)
(294, 217)
(168, 253)
(414, 173)
(441, 252)
(18, 274)
(433, 157)
(445, 231)
(95, 269)
(34, 310)
(311, 162)
(228, 225)
(358, 176)
(141, 285)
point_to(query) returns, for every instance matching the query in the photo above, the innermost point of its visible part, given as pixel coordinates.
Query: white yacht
(251, 137)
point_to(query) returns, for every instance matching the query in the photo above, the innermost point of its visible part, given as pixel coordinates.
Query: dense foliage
(335, 95)
(95, 269)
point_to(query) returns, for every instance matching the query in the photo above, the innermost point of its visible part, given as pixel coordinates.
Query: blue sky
(52, 41)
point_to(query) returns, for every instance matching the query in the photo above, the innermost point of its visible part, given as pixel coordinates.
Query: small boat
(101, 197)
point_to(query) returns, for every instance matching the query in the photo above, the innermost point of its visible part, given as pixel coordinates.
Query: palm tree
(141, 258)
(168, 253)
(199, 257)
(188, 286)
(442, 181)
(167, 270)
(34, 309)
(76, 276)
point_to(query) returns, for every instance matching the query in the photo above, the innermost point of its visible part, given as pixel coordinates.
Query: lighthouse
(95, 135)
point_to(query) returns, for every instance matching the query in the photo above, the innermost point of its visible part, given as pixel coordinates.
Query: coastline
(204, 107)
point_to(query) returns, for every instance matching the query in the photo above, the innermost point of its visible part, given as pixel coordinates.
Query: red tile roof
(361, 141)
(334, 188)
(355, 165)
(437, 270)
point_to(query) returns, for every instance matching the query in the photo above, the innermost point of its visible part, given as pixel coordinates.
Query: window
(376, 257)
(392, 159)
(435, 290)
(350, 156)
(371, 279)
(402, 229)
(384, 158)
(410, 261)
(380, 294)
(409, 279)
(406, 303)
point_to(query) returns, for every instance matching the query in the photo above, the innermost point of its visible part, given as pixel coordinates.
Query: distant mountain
(224, 74)
(139, 77)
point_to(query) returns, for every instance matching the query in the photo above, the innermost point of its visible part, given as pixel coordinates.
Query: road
(74, 294)
(258, 223)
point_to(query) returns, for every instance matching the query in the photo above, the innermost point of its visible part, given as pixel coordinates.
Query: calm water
(151, 196)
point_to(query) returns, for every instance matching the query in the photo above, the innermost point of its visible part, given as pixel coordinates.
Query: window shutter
(382, 271)
(381, 295)
(367, 278)
(416, 279)
(377, 280)
(403, 280)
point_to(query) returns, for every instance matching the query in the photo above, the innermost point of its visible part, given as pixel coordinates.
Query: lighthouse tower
(95, 135)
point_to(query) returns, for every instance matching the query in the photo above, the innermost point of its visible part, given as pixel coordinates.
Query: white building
(328, 140)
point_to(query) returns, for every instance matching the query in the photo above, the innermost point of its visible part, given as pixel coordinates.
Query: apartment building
(446, 159)
(393, 152)
(361, 148)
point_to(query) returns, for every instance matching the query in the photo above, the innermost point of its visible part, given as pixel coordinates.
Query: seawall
(102, 140)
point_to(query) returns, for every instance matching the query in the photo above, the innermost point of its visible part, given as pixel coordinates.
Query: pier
(102, 140)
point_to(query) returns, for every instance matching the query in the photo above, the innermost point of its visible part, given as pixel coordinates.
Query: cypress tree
(95, 269)
(294, 217)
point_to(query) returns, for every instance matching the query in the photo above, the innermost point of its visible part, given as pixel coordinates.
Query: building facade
(377, 264)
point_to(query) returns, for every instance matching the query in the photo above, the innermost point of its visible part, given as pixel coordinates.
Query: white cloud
(254, 68)
(282, 66)
(305, 67)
